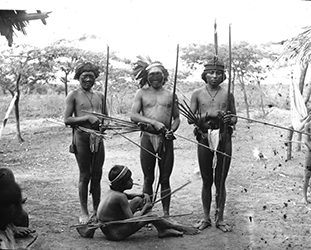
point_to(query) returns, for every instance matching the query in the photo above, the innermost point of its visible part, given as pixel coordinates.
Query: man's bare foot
(202, 224)
(224, 227)
(93, 218)
(84, 219)
(169, 233)
(190, 230)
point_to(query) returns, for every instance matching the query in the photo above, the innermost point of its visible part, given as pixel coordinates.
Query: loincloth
(94, 139)
(90, 143)
(157, 141)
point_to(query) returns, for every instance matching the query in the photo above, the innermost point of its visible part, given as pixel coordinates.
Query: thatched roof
(12, 20)
(299, 47)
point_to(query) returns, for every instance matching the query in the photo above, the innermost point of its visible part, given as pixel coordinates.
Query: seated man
(20, 222)
(116, 207)
(10, 209)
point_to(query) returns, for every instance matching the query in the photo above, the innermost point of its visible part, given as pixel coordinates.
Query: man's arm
(136, 115)
(232, 110)
(125, 206)
(69, 118)
(176, 116)
(193, 104)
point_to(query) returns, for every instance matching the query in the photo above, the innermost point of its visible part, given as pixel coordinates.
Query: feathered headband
(141, 68)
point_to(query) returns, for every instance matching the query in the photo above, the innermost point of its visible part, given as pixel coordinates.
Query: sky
(154, 28)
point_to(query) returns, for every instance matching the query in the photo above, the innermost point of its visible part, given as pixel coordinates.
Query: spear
(222, 177)
(106, 87)
(162, 162)
(215, 39)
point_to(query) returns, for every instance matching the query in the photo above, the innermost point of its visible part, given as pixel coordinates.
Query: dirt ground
(264, 198)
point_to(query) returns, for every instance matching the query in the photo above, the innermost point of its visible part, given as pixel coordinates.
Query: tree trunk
(66, 83)
(289, 144)
(303, 73)
(245, 97)
(261, 98)
(18, 130)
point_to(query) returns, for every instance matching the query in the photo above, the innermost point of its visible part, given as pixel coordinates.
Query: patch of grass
(35, 106)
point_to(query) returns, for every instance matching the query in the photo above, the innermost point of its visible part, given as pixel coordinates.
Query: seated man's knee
(22, 220)
(136, 204)
(6, 174)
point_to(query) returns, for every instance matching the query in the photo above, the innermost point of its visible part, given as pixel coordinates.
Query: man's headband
(214, 64)
(119, 176)
(84, 67)
(153, 65)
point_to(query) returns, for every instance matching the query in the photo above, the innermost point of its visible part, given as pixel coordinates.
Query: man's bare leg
(83, 192)
(205, 157)
(220, 223)
(221, 187)
(206, 195)
(167, 228)
(148, 163)
(165, 174)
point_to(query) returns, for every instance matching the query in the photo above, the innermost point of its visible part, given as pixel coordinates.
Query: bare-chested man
(87, 147)
(210, 102)
(152, 106)
(117, 207)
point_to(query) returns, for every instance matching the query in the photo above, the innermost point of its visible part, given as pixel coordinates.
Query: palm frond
(17, 20)
(298, 48)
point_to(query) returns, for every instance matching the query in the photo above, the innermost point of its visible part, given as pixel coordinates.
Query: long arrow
(272, 125)
(198, 143)
(136, 144)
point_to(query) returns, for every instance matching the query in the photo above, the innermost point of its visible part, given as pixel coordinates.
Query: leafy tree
(245, 64)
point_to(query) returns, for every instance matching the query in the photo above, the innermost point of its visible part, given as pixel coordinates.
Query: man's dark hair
(213, 63)
(114, 172)
(86, 67)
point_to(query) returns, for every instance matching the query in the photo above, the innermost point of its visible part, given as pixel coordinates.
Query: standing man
(152, 107)
(210, 102)
(87, 147)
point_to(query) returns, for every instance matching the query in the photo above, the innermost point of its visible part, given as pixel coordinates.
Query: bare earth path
(264, 201)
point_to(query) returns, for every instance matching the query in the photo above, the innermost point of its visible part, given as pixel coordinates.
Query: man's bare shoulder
(142, 92)
(73, 94)
(198, 91)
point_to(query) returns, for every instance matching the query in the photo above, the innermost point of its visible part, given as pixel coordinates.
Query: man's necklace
(213, 97)
(90, 99)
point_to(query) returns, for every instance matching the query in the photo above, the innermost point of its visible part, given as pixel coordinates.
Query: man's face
(87, 80)
(156, 77)
(214, 77)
